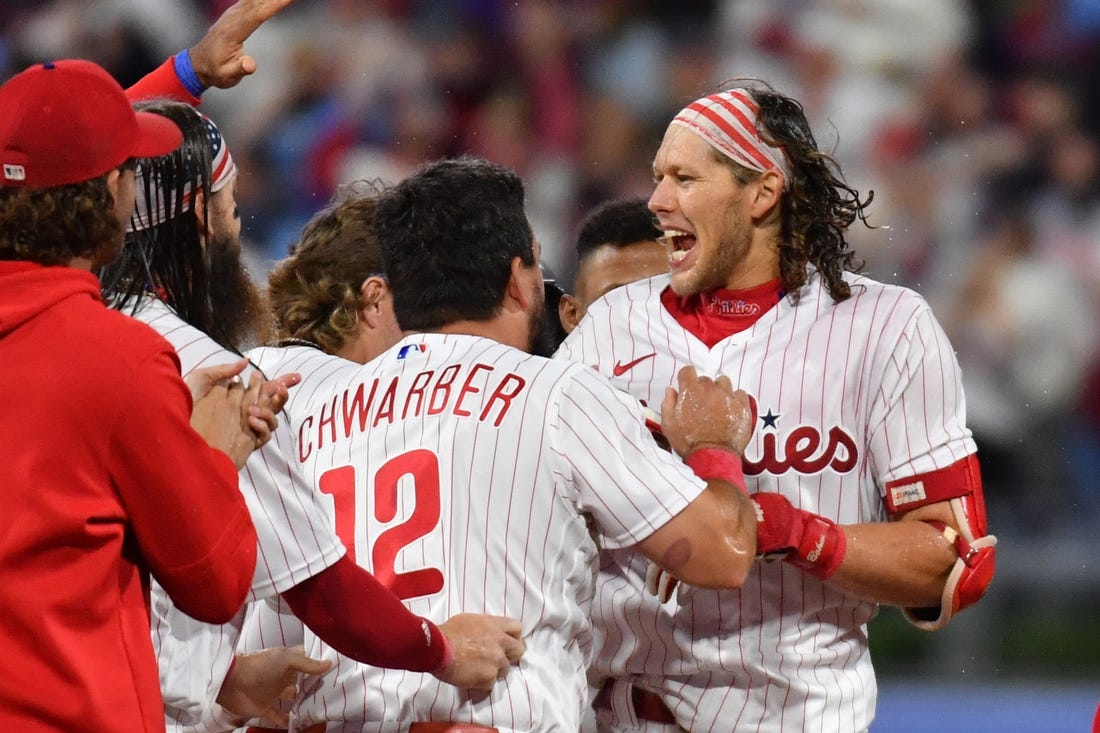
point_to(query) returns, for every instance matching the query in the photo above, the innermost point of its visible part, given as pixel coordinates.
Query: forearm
(164, 81)
(711, 543)
(895, 563)
(359, 617)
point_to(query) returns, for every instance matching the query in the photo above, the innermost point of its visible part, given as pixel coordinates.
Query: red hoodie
(103, 480)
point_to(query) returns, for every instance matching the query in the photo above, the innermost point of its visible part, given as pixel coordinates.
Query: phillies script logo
(727, 307)
(804, 450)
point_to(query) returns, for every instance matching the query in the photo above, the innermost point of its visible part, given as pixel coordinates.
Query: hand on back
(484, 649)
(258, 681)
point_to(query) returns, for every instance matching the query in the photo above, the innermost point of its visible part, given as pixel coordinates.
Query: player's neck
(760, 266)
(497, 328)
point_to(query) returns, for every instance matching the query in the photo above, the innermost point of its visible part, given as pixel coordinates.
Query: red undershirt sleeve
(162, 82)
(351, 611)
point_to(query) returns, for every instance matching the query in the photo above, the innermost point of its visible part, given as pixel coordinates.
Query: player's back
(445, 484)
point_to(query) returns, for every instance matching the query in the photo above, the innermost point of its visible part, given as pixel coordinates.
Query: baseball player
(327, 297)
(180, 272)
(465, 473)
(617, 244)
(861, 468)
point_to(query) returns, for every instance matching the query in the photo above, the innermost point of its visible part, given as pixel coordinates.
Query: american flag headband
(727, 121)
(150, 213)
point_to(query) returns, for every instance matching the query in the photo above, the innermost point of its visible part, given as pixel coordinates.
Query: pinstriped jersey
(848, 396)
(296, 541)
(467, 475)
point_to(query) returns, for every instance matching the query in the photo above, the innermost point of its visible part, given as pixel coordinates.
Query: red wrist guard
(804, 539)
(717, 463)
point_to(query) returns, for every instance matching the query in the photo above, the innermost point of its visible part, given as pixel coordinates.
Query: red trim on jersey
(717, 314)
(961, 478)
(359, 617)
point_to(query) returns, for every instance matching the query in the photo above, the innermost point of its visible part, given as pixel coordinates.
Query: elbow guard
(973, 570)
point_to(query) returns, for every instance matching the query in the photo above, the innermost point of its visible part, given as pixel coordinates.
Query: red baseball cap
(66, 122)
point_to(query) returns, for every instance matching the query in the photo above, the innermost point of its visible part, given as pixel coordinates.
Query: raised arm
(217, 60)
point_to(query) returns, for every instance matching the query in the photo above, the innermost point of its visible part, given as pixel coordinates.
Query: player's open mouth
(679, 243)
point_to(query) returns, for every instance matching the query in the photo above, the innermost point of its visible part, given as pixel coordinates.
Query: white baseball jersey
(465, 474)
(848, 396)
(296, 541)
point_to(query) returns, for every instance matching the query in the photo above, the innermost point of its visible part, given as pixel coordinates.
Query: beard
(237, 304)
(548, 333)
(537, 343)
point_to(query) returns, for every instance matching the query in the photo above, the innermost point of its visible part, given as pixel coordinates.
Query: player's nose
(662, 198)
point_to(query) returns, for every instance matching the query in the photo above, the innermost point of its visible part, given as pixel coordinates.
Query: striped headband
(727, 121)
(222, 170)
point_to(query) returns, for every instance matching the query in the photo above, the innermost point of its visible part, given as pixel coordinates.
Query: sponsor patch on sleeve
(907, 493)
(959, 479)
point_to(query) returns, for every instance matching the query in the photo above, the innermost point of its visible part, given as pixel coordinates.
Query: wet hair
(52, 226)
(449, 233)
(617, 223)
(168, 256)
(315, 292)
(817, 207)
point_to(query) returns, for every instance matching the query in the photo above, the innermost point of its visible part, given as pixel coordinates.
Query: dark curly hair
(52, 226)
(449, 233)
(817, 207)
(619, 223)
(314, 293)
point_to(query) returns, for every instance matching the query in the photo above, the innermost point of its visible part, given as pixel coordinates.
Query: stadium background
(975, 123)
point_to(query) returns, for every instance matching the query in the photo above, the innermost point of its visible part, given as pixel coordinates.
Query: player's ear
(766, 190)
(112, 182)
(569, 312)
(200, 211)
(518, 294)
(371, 294)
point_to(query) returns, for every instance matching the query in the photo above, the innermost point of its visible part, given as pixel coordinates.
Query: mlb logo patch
(14, 172)
(411, 350)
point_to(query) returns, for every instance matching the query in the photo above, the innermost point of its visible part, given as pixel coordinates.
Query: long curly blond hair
(314, 293)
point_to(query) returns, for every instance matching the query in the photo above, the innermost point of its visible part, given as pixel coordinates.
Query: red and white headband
(727, 121)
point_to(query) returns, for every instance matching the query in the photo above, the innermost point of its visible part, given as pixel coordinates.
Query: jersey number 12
(423, 467)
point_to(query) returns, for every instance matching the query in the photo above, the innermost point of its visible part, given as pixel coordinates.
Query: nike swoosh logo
(621, 369)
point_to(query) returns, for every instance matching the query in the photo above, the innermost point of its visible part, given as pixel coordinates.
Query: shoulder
(871, 301)
(127, 338)
(194, 347)
(113, 353)
(630, 295)
(285, 358)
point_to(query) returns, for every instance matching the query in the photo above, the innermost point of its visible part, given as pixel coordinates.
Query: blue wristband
(186, 73)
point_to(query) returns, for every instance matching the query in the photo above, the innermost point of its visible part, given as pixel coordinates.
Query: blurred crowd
(972, 122)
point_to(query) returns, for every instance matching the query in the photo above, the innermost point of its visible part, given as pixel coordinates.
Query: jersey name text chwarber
(479, 394)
